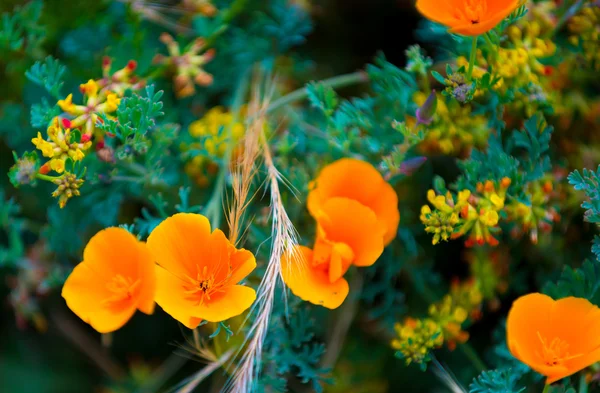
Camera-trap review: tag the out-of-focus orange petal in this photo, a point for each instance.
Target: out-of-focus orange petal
(234, 300)
(310, 283)
(147, 276)
(358, 180)
(171, 296)
(85, 295)
(458, 15)
(107, 251)
(180, 242)
(115, 277)
(491, 20)
(438, 11)
(349, 222)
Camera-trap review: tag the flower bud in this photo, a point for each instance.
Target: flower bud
(427, 110)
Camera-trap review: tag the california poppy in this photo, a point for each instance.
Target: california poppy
(467, 17)
(556, 338)
(360, 181)
(115, 278)
(348, 233)
(198, 271)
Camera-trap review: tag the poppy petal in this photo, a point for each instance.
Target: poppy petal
(242, 263)
(112, 251)
(86, 296)
(438, 11)
(360, 181)
(178, 243)
(233, 301)
(171, 296)
(348, 221)
(311, 284)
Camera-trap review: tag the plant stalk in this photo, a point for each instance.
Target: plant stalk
(472, 59)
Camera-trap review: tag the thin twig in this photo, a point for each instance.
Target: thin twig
(86, 344)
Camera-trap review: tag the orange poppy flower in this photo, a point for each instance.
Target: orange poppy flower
(556, 338)
(358, 180)
(198, 271)
(467, 17)
(115, 278)
(347, 233)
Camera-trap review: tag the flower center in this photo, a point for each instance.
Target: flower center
(473, 11)
(555, 352)
(203, 286)
(121, 288)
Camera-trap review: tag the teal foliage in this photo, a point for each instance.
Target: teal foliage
(584, 281)
(20, 30)
(49, 75)
(496, 381)
(136, 115)
(291, 347)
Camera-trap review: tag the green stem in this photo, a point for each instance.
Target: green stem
(574, 9)
(583, 386)
(472, 59)
(546, 388)
(468, 350)
(335, 82)
(46, 177)
(492, 46)
(236, 8)
(196, 332)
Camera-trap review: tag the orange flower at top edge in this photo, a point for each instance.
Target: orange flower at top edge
(360, 181)
(467, 17)
(348, 233)
(115, 278)
(198, 271)
(556, 338)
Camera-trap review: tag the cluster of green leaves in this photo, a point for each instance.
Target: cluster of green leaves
(136, 115)
(583, 281)
(291, 347)
(496, 381)
(523, 157)
(11, 226)
(20, 30)
(359, 126)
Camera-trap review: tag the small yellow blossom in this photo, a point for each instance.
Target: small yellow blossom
(60, 147)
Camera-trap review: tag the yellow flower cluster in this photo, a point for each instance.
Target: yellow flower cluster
(454, 129)
(187, 64)
(536, 216)
(585, 27)
(60, 146)
(476, 215)
(100, 96)
(417, 337)
(68, 187)
(213, 131)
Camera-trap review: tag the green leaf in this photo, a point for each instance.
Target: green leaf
(48, 75)
(438, 77)
(496, 381)
(322, 97)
